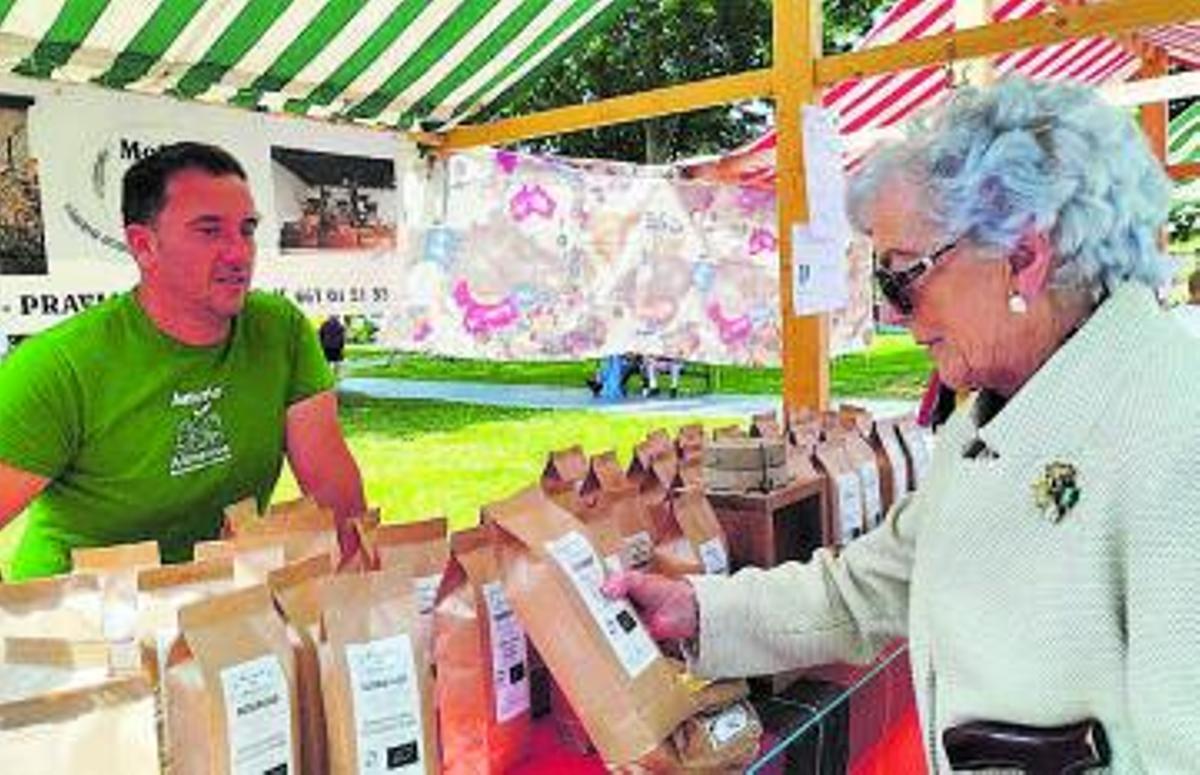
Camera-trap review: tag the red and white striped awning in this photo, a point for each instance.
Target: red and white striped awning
(864, 105)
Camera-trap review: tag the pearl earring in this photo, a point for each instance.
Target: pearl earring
(1016, 304)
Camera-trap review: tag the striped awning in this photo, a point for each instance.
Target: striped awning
(862, 105)
(1183, 136)
(396, 63)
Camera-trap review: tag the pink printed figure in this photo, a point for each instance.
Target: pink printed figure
(762, 241)
(531, 201)
(507, 161)
(479, 318)
(422, 330)
(750, 200)
(732, 330)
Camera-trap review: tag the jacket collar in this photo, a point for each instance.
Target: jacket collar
(1068, 395)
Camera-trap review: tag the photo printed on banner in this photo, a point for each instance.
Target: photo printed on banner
(22, 233)
(331, 204)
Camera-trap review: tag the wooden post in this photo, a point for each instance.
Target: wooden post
(1153, 116)
(805, 340)
(968, 14)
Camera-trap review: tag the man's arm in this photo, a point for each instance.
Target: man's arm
(321, 461)
(17, 489)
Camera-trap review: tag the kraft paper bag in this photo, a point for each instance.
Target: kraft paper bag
(565, 467)
(845, 508)
(232, 705)
(298, 590)
(607, 485)
(420, 550)
(70, 607)
(104, 728)
(626, 693)
(483, 689)
(376, 682)
(696, 543)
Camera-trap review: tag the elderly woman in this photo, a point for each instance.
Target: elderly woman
(1048, 571)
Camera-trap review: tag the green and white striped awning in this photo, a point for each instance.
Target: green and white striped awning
(385, 62)
(1183, 137)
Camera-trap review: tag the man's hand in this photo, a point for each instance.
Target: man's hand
(667, 606)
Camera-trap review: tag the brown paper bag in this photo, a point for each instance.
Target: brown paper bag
(68, 607)
(298, 589)
(232, 705)
(628, 696)
(689, 442)
(719, 741)
(117, 569)
(376, 682)
(103, 728)
(912, 438)
(565, 467)
(887, 444)
(606, 485)
(253, 557)
(483, 691)
(697, 544)
(766, 425)
(729, 432)
(421, 550)
(862, 457)
(162, 592)
(32, 667)
(844, 496)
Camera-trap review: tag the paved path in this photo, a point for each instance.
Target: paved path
(544, 397)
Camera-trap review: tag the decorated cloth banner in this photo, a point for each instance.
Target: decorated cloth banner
(542, 258)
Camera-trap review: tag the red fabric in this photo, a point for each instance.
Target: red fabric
(898, 752)
(928, 401)
(547, 756)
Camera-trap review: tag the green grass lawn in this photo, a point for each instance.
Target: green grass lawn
(425, 458)
(894, 367)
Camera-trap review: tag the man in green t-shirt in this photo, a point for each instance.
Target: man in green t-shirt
(145, 415)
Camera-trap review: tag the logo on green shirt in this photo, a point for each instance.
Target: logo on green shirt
(200, 438)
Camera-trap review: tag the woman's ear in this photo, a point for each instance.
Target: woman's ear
(1032, 263)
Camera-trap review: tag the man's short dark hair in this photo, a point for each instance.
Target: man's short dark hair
(144, 189)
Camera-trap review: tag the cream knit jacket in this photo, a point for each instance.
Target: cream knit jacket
(1011, 616)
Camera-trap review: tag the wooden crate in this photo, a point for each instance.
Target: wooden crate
(766, 529)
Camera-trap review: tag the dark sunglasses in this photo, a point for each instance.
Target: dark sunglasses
(896, 286)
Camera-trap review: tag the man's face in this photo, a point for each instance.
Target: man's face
(197, 256)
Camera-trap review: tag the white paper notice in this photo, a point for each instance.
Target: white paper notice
(712, 554)
(510, 670)
(868, 477)
(819, 263)
(727, 725)
(615, 618)
(850, 505)
(639, 549)
(387, 706)
(258, 713)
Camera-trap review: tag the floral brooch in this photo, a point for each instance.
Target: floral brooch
(1057, 491)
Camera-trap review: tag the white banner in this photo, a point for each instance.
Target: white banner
(351, 188)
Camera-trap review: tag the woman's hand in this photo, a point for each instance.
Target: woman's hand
(667, 606)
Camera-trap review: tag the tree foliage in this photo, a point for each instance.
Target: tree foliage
(657, 43)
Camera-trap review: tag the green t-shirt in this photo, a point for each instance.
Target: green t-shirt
(144, 437)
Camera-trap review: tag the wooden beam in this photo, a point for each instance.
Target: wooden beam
(1184, 171)
(1109, 18)
(1153, 116)
(805, 340)
(754, 84)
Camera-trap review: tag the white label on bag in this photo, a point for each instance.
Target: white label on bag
(850, 507)
(387, 706)
(727, 725)
(615, 618)
(258, 714)
(712, 554)
(426, 592)
(639, 548)
(868, 476)
(510, 667)
(613, 563)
